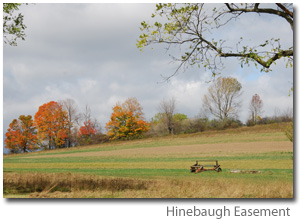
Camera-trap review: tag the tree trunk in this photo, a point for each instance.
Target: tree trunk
(170, 130)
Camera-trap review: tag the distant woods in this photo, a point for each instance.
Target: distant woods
(62, 125)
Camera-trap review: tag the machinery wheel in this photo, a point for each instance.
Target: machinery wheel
(219, 170)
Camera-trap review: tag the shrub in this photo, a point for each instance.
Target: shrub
(250, 123)
(224, 124)
(94, 139)
(289, 132)
(199, 125)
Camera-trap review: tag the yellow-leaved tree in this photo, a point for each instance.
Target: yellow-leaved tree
(127, 121)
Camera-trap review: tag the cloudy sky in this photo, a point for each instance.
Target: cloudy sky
(87, 52)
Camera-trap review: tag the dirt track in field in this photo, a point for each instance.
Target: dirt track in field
(200, 149)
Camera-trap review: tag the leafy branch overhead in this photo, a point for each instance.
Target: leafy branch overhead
(193, 27)
(13, 26)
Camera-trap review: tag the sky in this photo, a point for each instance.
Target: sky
(87, 52)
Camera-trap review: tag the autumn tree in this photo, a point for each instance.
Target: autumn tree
(167, 109)
(13, 25)
(222, 99)
(198, 29)
(255, 108)
(53, 125)
(21, 135)
(87, 131)
(127, 121)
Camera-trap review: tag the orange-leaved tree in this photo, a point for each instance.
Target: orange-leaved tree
(21, 135)
(127, 121)
(87, 131)
(52, 123)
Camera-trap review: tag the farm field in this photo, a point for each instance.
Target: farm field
(159, 167)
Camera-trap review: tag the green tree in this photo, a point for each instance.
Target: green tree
(222, 99)
(13, 26)
(193, 27)
(180, 117)
(160, 122)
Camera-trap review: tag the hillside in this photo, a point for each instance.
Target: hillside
(163, 162)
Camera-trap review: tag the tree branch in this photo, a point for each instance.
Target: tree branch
(286, 14)
(285, 9)
(258, 59)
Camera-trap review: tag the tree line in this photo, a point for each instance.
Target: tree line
(60, 125)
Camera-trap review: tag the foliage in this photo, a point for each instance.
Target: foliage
(126, 121)
(184, 125)
(179, 117)
(159, 124)
(21, 135)
(52, 123)
(279, 117)
(13, 26)
(87, 131)
(181, 123)
(158, 117)
(99, 138)
(193, 27)
(222, 99)
(224, 124)
(199, 125)
(250, 123)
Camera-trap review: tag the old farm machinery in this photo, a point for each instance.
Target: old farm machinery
(206, 165)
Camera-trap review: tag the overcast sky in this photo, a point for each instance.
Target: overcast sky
(87, 52)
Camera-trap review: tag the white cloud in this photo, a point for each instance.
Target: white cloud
(87, 85)
(87, 52)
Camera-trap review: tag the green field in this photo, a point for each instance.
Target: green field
(159, 167)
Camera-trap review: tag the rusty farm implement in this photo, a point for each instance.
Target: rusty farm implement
(206, 165)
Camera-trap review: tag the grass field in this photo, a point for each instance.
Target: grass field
(159, 167)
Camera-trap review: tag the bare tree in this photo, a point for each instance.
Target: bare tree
(255, 108)
(132, 105)
(287, 114)
(70, 106)
(222, 99)
(167, 108)
(86, 116)
(97, 125)
(277, 113)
